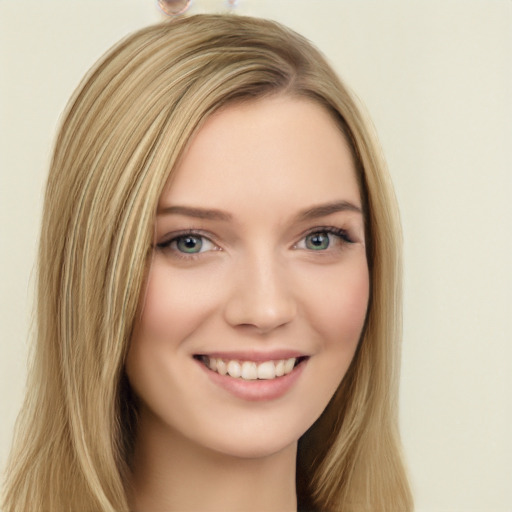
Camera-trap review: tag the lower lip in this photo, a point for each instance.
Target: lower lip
(256, 390)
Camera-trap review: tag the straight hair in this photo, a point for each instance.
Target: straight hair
(121, 138)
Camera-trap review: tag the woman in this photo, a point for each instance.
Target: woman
(219, 287)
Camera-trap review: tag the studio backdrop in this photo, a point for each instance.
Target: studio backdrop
(436, 78)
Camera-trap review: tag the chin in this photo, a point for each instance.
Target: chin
(257, 447)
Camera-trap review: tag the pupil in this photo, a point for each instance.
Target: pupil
(189, 244)
(318, 241)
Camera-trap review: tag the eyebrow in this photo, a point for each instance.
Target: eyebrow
(198, 213)
(313, 212)
(322, 210)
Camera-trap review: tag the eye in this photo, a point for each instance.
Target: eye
(188, 244)
(323, 239)
(317, 241)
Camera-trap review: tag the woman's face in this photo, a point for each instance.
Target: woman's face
(259, 270)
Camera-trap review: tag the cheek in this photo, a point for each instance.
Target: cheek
(338, 308)
(337, 314)
(175, 304)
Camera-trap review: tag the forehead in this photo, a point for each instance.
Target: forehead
(281, 150)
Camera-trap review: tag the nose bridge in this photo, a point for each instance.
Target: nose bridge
(261, 295)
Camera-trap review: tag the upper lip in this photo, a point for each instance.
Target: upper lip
(253, 355)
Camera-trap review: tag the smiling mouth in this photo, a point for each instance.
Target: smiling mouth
(251, 370)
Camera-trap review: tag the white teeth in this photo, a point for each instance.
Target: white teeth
(267, 370)
(280, 368)
(289, 364)
(250, 370)
(234, 369)
(221, 367)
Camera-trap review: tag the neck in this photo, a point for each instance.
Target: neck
(172, 473)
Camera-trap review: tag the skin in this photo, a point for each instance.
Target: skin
(258, 284)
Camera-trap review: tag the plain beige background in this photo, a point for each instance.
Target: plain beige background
(436, 77)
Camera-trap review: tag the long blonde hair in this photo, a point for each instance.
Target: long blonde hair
(122, 135)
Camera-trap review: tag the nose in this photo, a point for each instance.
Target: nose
(261, 297)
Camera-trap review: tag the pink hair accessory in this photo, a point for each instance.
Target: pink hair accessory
(173, 7)
(179, 7)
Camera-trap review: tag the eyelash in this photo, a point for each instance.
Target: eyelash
(166, 245)
(341, 234)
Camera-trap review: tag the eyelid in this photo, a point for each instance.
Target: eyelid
(342, 234)
(170, 238)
